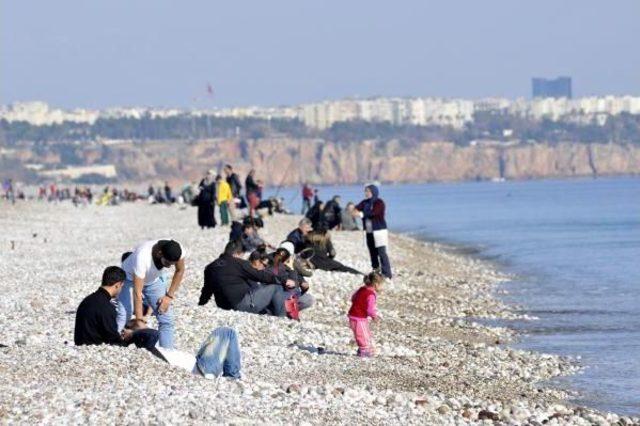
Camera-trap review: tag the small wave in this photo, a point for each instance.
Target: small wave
(543, 312)
(578, 329)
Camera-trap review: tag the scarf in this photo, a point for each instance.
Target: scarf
(368, 203)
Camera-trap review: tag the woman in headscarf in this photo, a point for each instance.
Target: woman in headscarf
(372, 210)
(206, 201)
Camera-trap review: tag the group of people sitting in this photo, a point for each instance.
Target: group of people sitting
(332, 216)
(104, 317)
(265, 282)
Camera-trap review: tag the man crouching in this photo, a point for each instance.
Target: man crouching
(96, 317)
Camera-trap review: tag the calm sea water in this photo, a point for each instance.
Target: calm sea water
(574, 246)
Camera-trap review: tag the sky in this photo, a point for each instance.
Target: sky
(95, 54)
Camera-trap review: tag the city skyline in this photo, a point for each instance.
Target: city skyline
(160, 54)
(425, 111)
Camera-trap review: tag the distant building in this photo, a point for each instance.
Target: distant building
(551, 88)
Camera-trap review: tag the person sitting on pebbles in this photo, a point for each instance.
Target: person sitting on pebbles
(297, 235)
(96, 317)
(319, 242)
(250, 238)
(146, 276)
(363, 307)
(283, 263)
(236, 285)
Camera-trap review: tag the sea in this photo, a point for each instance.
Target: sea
(573, 250)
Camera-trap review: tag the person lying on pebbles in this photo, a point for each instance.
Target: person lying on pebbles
(219, 355)
(146, 276)
(319, 241)
(96, 317)
(231, 280)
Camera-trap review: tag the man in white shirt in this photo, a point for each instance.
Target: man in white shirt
(146, 270)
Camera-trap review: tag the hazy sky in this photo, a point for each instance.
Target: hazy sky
(163, 53)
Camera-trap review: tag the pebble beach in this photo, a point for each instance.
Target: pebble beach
(437, 362)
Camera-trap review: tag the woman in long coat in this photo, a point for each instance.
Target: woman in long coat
(206, 201)
(372, 211)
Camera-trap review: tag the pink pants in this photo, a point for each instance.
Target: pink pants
(362, 334)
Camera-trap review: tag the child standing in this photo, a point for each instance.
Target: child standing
(363, 306)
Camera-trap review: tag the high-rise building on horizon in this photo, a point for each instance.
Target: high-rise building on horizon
(551, 88)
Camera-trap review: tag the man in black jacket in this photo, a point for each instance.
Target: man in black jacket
(232, 282)
(297, 235)
(233, 180)
(96, 317)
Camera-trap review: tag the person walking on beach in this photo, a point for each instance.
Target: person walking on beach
(146, 277)
(225, 198)
(96, 322)
(363, 307)
(253, 192)
(206, 200)
(307, 195)
(372, 211)
(236, 188)
(9, 193)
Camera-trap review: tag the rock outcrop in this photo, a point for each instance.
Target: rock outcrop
(290, 161)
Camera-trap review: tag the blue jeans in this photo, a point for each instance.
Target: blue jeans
(219, 355)
(263, 297)
(150, 294)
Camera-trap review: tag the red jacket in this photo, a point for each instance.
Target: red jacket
(363, 303)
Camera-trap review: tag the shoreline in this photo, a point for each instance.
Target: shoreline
(142, 185)
(435, 366)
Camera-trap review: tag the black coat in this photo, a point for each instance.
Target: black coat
(323, 258)
(332, 213)
(251, 185)
(229, 279)
(234, 183)
(316, 216)
(206, 201)
(297, 239)
(96, 321)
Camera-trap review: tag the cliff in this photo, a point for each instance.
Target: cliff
(291, 161)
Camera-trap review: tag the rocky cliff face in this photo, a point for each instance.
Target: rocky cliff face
(291, 161)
